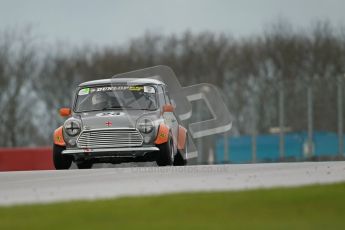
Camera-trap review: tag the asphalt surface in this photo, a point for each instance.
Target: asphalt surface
(51, 186)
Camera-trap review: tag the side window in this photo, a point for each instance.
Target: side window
(161, 96)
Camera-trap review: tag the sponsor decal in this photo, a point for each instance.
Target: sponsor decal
(163, 135)
(124, 87)
(136, 88)
(84, 91)
(58, 138)
(149, 89)
(111, 88)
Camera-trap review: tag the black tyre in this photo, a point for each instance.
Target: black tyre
(165, 156)
(84, 165)
(178, 160)
(61, 161)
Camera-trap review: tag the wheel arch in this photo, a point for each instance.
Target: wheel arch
(182, 136)
(162, 134)
(58, 137)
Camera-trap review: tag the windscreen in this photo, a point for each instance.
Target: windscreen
(142, 97)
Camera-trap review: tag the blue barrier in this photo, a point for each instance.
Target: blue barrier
(267, 145)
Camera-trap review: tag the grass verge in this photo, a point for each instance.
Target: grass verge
(309, 207)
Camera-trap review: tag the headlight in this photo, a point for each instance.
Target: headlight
(145, 125)
(72, 127)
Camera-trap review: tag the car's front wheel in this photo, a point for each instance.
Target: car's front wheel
(165, 156)
(61, 161)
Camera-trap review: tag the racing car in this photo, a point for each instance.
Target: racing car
(120, 120)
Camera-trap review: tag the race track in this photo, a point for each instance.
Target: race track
(50, 186)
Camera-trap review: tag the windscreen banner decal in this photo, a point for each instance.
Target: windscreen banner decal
(118, 88)
(84, 91)
(149, 89)
(136, 88)
(111, 88)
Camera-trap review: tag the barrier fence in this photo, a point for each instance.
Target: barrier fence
(20, 159)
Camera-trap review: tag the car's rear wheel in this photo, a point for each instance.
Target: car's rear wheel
(84, 165)
(61, 161)
(165, 156)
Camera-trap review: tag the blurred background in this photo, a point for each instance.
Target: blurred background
(279, 64)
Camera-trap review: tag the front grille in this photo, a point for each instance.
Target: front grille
(108, 138)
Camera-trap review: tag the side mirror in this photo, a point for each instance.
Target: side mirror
(168, 108)
(65, 112)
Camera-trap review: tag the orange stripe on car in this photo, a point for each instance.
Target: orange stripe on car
(182, 134)
(163, 134)
(58, 137)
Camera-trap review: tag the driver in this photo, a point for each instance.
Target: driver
(99, 100)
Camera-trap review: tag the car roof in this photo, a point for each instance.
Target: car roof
(123, 81)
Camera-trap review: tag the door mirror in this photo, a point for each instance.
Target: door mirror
(168, 108)
(65, 112)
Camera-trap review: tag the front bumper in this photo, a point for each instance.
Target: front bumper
(128, 151)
